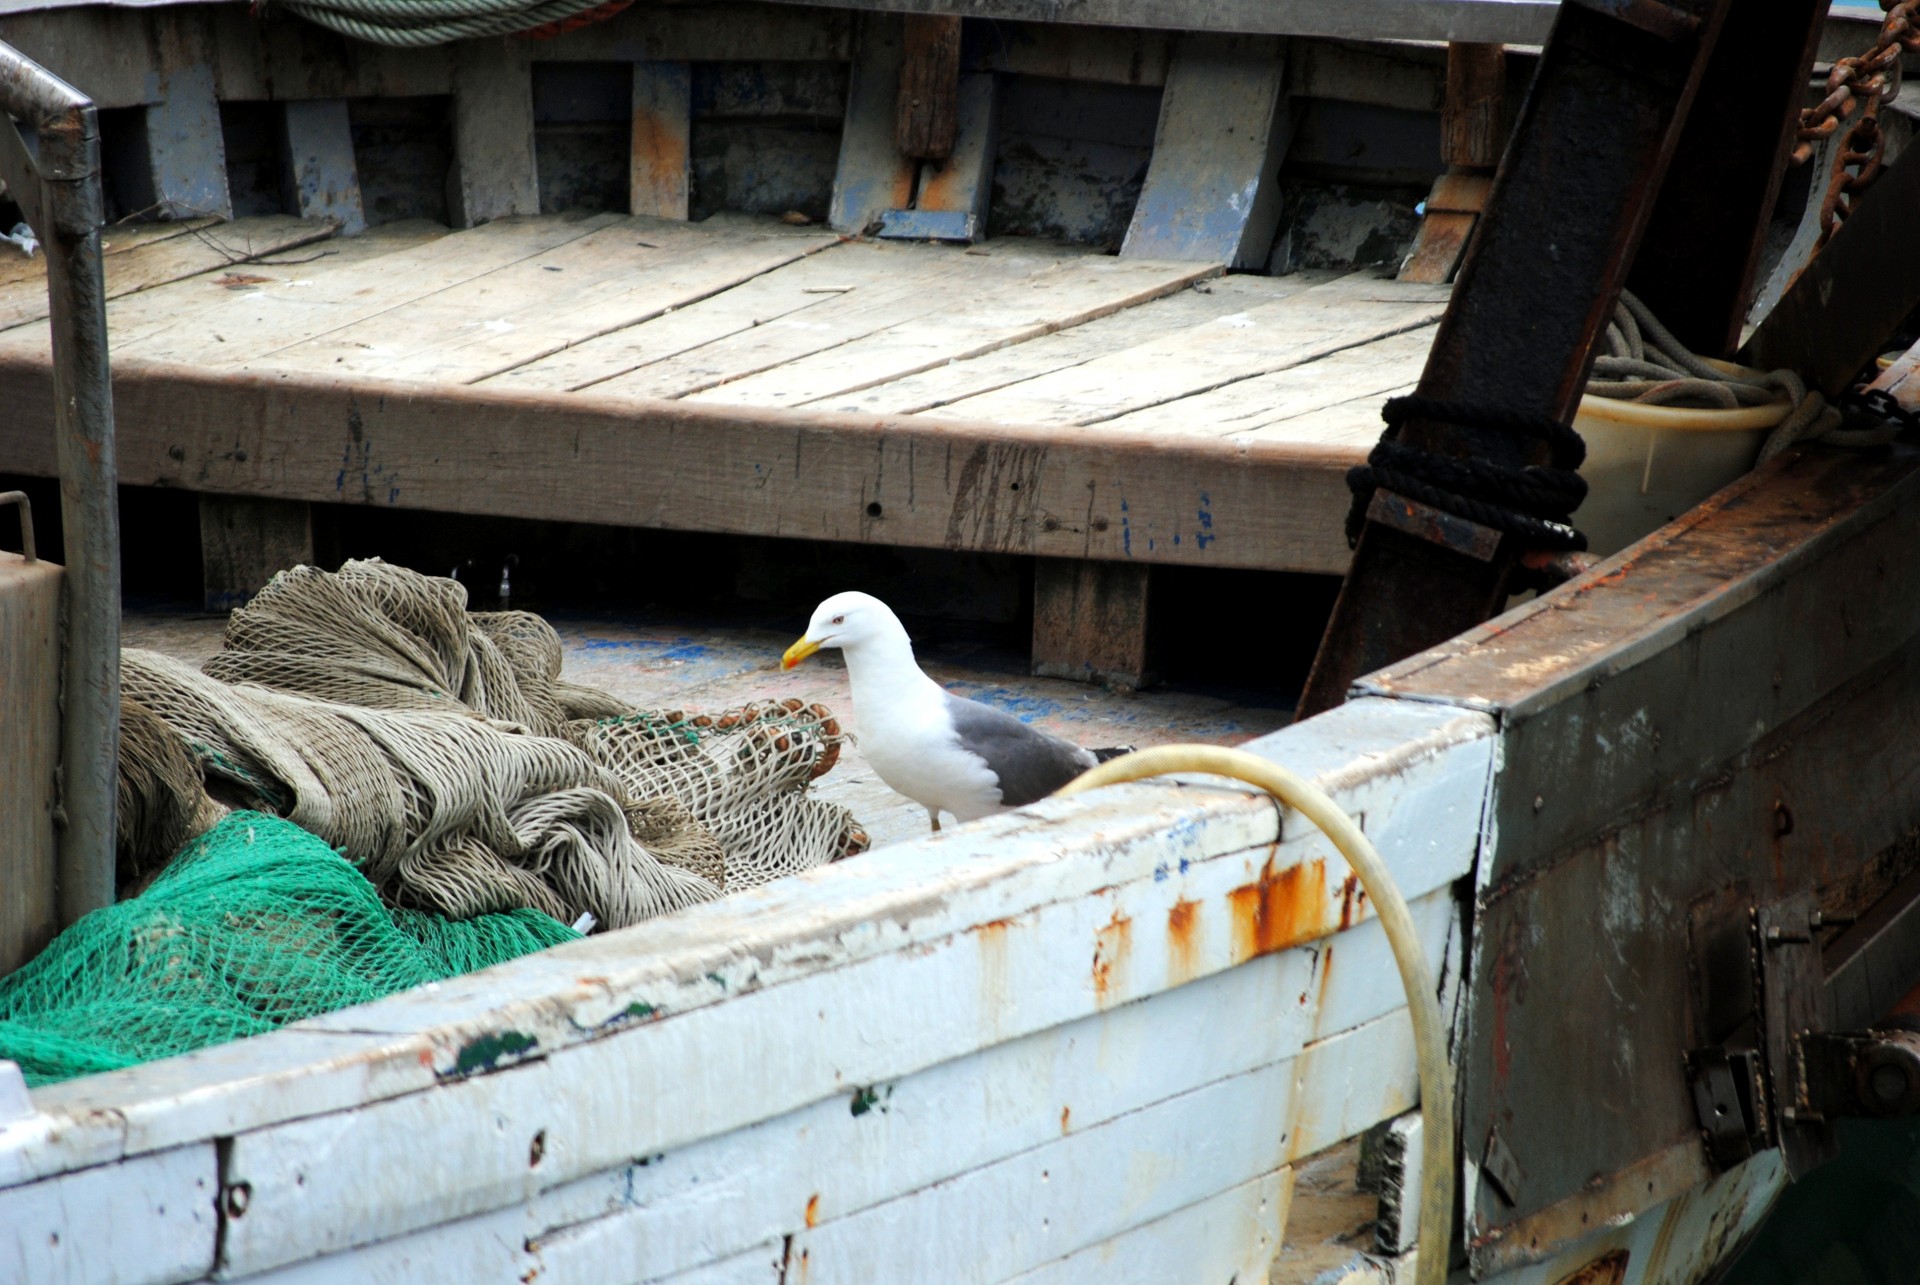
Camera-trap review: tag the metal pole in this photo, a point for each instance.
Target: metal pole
(61, 195)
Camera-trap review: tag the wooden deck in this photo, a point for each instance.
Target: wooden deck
(743, 375)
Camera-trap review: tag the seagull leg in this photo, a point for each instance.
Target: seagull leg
(933, 815)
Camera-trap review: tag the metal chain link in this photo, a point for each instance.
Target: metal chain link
(1855, 89)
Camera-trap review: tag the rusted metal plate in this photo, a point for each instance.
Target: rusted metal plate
(1719, 704)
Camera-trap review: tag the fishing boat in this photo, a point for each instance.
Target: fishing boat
(1064, 323)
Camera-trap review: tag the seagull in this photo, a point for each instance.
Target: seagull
(944, 752)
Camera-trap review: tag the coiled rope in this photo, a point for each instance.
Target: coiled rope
(413, 24)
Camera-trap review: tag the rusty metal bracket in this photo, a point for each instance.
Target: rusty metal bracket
(1794, 1004)
(1391, 509)
(1727, 1087)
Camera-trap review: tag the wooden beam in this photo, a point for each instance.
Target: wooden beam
(926, 115)
(662, 139)
(1090, 622)
(1473, 130)
(1059, 491)
(322, 171)
(1212, 191)
(494, 173)
(30, 747)
(951, 204)
(244, 541)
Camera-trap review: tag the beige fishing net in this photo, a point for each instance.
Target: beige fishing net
(441, 751)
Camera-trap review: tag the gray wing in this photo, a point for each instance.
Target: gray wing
(1030, 764)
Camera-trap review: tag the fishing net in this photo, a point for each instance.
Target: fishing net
(441, 751)
(255, 925)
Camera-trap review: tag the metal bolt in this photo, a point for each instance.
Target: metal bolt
(237, 1197)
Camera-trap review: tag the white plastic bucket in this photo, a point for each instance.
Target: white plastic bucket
(1646, 465)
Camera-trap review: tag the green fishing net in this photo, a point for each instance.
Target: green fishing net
(257, 924)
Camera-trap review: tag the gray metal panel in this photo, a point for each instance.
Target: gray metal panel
(1725, 702)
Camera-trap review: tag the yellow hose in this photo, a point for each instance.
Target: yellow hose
(1429, 1040)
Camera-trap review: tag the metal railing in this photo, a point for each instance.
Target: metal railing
(57, 186)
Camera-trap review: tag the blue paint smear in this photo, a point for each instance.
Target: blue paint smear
(1201, 537)
(1160, 873)
(1184, 863)
(666, 649)
(1022, 706)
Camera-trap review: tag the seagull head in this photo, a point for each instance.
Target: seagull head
(847, 621)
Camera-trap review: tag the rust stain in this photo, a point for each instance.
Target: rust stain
(1608, 1269)
(659, 155)
(1111, 948)
(813, 1210)
(1066, 1118)
(1353, 899)
(1279, 909)
(1326, 975)
(1183, 945)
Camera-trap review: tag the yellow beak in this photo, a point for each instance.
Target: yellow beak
(798, 652)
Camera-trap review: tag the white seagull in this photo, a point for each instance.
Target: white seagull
(944, 752)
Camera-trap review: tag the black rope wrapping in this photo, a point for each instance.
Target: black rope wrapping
(1532, 504)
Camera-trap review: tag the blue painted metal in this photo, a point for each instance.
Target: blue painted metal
(186, 151)
(325, 179)
(872, 176)
(930, 225)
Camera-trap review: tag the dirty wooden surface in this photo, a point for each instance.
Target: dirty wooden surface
(749, 317)
(707, 667)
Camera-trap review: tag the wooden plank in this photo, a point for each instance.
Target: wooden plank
(913, 481)
(1301, 328)
(1090, 622)
(326, 181)
(1001, 367)
(493, 171)
(1228, 1237)
(30, 746)
(244, 542)
(876, 285)
(1296, 396)
(927, 108)
(204, 321)
(872, 175)
(619, 275)
(146, 1221)
(157, 262)
(1012, 301)
(1212, 191)
(659, 182)
(1407, 767)
(1351, 427)
(115, 238)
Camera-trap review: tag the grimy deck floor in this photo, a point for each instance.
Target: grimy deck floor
(658, 665)
(743, 375)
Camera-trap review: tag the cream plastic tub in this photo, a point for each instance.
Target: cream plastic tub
(1646, 465)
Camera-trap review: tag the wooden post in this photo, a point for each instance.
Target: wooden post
(1473, 131)
(30, 749)
(1090, 622)
(662, 139)
(494, 172)
(926, 114)
(243, 542)
(951, 204)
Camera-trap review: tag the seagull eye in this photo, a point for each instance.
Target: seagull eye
(839, 620)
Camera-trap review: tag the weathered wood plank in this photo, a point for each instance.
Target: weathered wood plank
(115, 238)
(145, 1221)
(1416, 772)
(326, 181)
(1090, 622)
(1004, 305)
(1001, 367)
(494, 166)
(1349, 427)
(30, 746)
(619, 275)
(1228, 1237)
(244, 542)
(208, 321)
(1295, 397)
(662, 146)
(878, 285)
(156, 262)
(1212, 191)
(927, 110)
(872, 175)
(1311, 325)
(582, 457)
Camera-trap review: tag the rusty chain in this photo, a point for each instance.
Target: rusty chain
(1855, 89)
